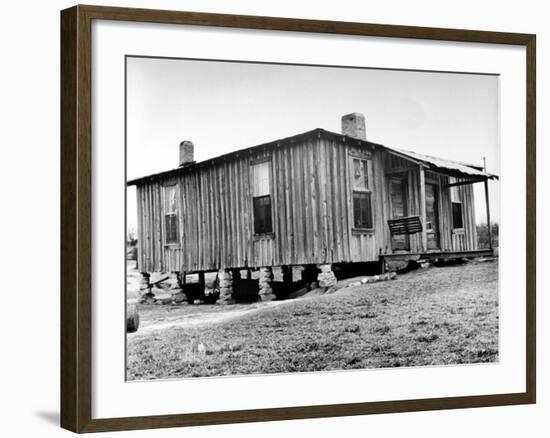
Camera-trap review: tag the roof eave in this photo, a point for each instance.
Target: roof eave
(308, 134)
(319, 132)
(479, 173)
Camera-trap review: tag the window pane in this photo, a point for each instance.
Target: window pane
(260, 179)
(262, 214)
(362, 210)
(457, 215)
(360, 174)
(170, 199)
(170, 214)
(171, 223)
(455, 195)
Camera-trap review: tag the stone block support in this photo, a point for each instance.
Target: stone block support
(176, 291)
(145, 289)
(225, 282)
(264, 283)
(326, 277)
(210, 287)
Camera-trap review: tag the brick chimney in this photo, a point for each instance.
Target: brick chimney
(186, 153)
(353, 125)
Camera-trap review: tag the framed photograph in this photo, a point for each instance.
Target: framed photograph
(270, 218)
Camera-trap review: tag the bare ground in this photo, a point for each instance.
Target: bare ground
(436, 316)
(212, 315)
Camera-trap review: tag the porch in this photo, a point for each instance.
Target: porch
(430, 210)
(438, 255)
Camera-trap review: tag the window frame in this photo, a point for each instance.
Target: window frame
(264, 233)
(267, 219)
(453, 203)
(172, 214)
(456, 198)
(368, 194)
(367, 158)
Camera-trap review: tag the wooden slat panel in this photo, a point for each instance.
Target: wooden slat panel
(159, 219)
(336, 241)
(150, 249)
(324, 199)
(140, 230)
(290, 199)
(298, 204)
(312, 181)
(405, 225)
(472, 213)
(363, 247)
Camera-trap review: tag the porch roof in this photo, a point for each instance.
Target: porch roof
(454, 168)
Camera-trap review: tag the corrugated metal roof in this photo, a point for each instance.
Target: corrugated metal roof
(444, 164)
(454, 168)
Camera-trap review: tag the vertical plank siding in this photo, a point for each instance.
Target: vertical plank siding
(464, 239)
(311, 206)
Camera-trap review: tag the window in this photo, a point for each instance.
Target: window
(362, 210)
(362, 196)
(456, 204)
(457, 215)
(360, 174)
(170, 214)
(262, 214)
(261, 198)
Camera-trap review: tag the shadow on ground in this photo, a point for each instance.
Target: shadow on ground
(51, 417)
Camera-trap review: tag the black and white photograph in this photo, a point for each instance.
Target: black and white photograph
(275, 219)
(286, 218)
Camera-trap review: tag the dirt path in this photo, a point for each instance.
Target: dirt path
(198, 319)
(150, 324)
(157, 320)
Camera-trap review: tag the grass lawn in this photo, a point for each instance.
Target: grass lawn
(435, 316)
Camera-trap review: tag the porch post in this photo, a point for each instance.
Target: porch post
(489, 230)
(423, 209)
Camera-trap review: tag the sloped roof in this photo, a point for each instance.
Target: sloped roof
(436, 163)
(454, 168)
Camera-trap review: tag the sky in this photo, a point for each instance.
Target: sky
(226, 106)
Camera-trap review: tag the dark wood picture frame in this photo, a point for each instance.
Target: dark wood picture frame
(76, 218)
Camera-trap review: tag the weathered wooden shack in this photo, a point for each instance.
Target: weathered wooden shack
(315, 199)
